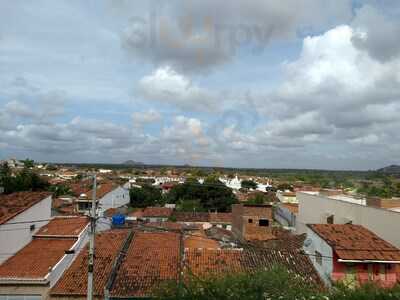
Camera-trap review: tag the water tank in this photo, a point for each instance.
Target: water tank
(118, 220)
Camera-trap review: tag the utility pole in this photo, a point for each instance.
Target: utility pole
(92, 233)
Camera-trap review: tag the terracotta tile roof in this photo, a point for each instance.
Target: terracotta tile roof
(355, 242)
(157, 212)
(111, 212)
(36, 259)
(198, 239)
(204, 262)
(102, 190)
(284, 239)
(292, 207)
(190, 216)
(258, 234)
(220, 218)
(166, 225)
(74, 280)
(81, 187)
(15, 203)
(152, 258)
(63, 226)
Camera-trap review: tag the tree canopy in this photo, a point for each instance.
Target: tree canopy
(249, 184)
(24, 180)
(211, 195)
(145, 196)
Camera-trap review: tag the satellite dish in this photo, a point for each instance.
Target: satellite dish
(307, 242)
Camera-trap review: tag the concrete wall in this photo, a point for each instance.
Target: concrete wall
(317, 244)
(37, 290)
(14, 237)
(114, 199)
(314, 209)
(284, 216)
(67, 259)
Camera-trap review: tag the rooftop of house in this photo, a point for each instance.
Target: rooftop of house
(181, 216)
(36, 259)
(355, 242)
(258, 234)
(102, 190)
(74, 280)
(220, 217)
(204, 262)
(63, 227)
(157, 212)
(198, 239)
(13, 204)
(292, 207)
(152, 258)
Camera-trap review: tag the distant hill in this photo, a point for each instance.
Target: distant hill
(393, 169)
(133, 163)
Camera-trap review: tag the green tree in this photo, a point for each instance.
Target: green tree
(249, 184)
(145, 196)
(211, 195)
(28, 163)
(25, 180)
(60, 190)
(257, 199)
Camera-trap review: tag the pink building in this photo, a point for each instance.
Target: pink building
(352, 254)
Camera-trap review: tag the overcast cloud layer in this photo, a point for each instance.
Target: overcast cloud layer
(274, 84)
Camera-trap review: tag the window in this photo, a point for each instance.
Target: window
(330, 219)
(318, 258)
(250, 220)
(263, 222)
(32, 227)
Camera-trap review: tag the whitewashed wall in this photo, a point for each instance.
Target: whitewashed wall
(317, 244)
(114, 199)
(14, 237)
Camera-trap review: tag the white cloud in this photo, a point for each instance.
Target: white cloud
(146, 117)
(165, 85)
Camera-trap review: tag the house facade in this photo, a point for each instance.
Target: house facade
(22, 214)
(317, 209)
(108, 196)
(32, 271)
(252, 222)
(351, 254)
(286, 213)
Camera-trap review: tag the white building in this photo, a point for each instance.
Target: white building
(316, 209)
(108, 196)
(33, 270)
(21, 216)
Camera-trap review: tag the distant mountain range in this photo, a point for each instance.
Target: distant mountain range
(133, 163)
(390, 169)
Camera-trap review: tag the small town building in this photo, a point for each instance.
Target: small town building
(286, 196)
(156, 214)
(285, 214)
(108, 195)
(351, 254)
(317, 209)
(22, 214)
(252, 222)
(32, 271)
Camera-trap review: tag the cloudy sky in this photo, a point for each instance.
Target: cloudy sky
(257, 83)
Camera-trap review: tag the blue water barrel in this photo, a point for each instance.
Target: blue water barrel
(118, 220)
